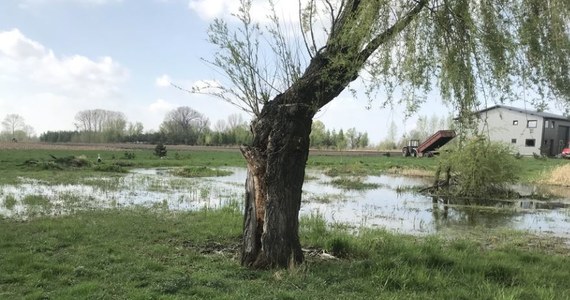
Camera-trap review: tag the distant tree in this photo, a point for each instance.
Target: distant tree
(235, 121)
(135, 129)
(389, 143)
(183, 125)
(363, 142)
(13, 123)
(15, 128)
(233, 131)
(237, 129)
(99, 125)
(392, 131)
(318, 135)
(340, 140)
(220, 126)
(352, 138)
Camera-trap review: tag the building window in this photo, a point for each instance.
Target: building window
(549, 124)
(530, 142)
(513, 141)
(531, 124)
(515, 122)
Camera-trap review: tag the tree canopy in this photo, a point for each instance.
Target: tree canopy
(472, 52)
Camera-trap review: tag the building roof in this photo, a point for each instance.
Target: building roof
(545, 115)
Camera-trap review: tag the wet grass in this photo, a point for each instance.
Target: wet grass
(334, 166)
(143, 253)
(323, 198)
(353, 183)
(36, 200)
(9, 202)
(199, 171)
(13, 164)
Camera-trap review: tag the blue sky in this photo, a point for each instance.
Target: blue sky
(58, 57)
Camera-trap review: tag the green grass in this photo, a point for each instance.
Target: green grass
(155, 254)
(353, 183)
(200, 171)
(36, 200)
(10, 201)
(114, 162)
(367, 165)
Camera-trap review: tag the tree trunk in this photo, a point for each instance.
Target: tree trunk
(276, 162)
(276, 170)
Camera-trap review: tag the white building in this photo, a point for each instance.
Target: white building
(526, 130)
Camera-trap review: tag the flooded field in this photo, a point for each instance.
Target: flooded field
(393, 205)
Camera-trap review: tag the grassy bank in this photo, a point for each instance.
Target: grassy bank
(14, 163)
(114, 162)
(144, 254)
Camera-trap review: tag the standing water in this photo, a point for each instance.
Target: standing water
(392, 205)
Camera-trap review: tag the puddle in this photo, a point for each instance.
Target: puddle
(391, 206)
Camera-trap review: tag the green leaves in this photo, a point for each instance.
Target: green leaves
(482, 168)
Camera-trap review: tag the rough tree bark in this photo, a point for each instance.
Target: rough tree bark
(277, 157)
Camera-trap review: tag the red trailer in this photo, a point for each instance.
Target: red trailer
(430, 146)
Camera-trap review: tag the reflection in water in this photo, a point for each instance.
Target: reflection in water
(393, 206)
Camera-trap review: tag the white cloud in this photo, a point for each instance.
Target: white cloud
(163, 81)
(210, 9)
(25, 60)
(160, 106)
(42, 87)
(15, 45)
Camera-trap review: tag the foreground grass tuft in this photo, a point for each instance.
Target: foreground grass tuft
(141, 253)
(353, 183)
(200, 171)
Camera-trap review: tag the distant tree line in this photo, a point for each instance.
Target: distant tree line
(322, 138)
(182, 125)
(186, 126)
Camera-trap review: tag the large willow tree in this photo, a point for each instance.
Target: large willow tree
(469, 50)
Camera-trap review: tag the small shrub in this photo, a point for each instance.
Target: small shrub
(481, 168)
(129, 155)
(160, 150)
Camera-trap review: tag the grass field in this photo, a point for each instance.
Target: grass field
(155, 254)
(144, 253)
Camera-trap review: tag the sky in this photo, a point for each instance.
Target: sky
(59, 57)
